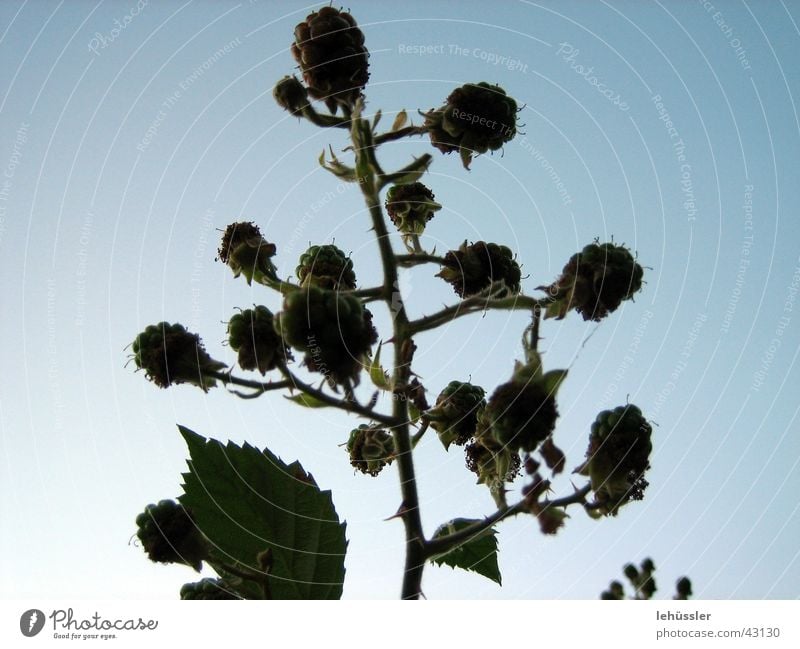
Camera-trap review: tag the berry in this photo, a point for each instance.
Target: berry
(329, 47)
(247, 253)
(476, 118)
(370, 449)
(455, 415)
(252, 334)
(332, 328)
(290, 94)
(410, 207)
(493, 463)
(521, 414)
(170, 355)
(595, 282)
(169, 535)
(208, 589)
(327, 267)
(618, 456)
(473, 268)
(683, 588)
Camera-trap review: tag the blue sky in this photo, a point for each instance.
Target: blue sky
(125, 150)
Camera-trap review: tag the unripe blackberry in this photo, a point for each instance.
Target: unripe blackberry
(631, 573)
(615, 591)
(208, 589)
(521, 415)
(290, 94)
(170, 355)
(169, 535)
(455, 415)
(683, 588)
(329, 48)
(492, 462)
(252, 334)
(472, 268)
(332, 328)
(327, 267)
(595, 282)
(476, 118)
(370, 449)
(410, 207)
(247, 253)
(618, 455)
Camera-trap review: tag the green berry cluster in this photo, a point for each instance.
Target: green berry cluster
(252, 335)
(411, 206)
(169, 535)
(329, 47)
(327, 267)
(644, 583)
(170, 355)
(595, 282)
(371, 448)
(475, 119)
(493, 463)
(521, 414)
(455, 415)
(473, 268)
(332, 328)
(247, 253)
(618, 456)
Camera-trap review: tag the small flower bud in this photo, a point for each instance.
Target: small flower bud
(291, 95)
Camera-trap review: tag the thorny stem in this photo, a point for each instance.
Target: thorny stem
(292, 382)
(473, 305)
(364, 147)
(324, 120)
(341, 404)
(419, 258)
(399, 134)
(444, 544)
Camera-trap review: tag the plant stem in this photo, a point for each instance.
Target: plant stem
(444, 544)
(419, 258)
(399, 134)
(409, 509)
(473, 305)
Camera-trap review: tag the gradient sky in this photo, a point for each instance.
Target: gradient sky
(120, 162)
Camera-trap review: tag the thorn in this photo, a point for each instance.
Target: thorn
(401, 511)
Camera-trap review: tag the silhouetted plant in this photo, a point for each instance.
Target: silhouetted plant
(266, 527)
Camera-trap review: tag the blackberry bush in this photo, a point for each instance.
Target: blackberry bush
(255, 519)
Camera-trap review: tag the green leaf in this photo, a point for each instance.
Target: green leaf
(379, 376)
(246, 501)
(479, 554)
(307, 401)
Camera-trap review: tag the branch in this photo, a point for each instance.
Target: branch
(474, 304)
(444, 544)
(260, 387)
(399, 134)
(326, 121)
(407, 261)
(342, 404)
